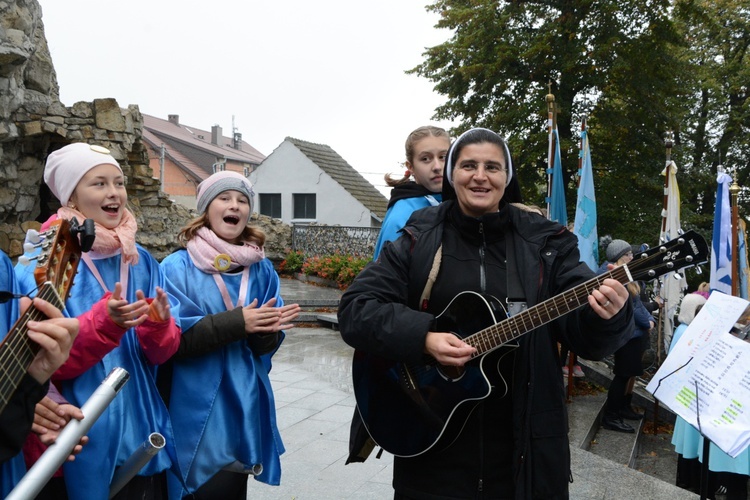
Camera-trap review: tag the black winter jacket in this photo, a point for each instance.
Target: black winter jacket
(379, 313)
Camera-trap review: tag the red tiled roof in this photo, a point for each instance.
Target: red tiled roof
(191, 148)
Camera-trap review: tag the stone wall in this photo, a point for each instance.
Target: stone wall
(33, 122)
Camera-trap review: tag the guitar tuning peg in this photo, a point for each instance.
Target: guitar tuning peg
(698, 269)
(25, 261)
(29, 247)
(32, 236)
(677, 276)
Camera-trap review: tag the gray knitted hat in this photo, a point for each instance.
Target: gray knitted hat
(617, 249)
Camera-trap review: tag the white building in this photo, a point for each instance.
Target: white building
(302, 183)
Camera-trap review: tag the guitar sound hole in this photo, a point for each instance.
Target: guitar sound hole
(451, 373)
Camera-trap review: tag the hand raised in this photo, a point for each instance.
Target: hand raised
(125, 314)
(267, 318)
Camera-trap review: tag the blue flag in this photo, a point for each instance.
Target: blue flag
(743, 264)
(584, 226)
(721, 243)
(557, 210)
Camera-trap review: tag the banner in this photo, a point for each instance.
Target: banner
(557, 209)
(584, 226)
(673, 284)
(721, 243)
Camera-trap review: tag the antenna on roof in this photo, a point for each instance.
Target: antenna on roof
(236, 137)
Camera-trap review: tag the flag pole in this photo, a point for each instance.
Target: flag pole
(571, 354)
(668, 143)
(734, 190)
(551, 150)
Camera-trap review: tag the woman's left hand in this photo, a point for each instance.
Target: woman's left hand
(609, 298)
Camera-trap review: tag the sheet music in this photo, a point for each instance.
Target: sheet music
(711, 381)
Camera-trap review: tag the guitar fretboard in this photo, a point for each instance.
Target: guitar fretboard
(17, 350)
(506, 331)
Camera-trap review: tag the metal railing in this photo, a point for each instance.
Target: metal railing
(328, 240)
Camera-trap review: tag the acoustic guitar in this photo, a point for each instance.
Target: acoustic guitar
(409, 409)
(56, 265)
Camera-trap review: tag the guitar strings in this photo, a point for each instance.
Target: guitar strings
(19, 350)
(538, 315)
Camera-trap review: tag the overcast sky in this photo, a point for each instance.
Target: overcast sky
(325, 71)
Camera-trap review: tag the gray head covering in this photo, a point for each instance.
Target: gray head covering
(220, 182)
(617, 249)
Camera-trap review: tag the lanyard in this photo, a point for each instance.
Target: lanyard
(244, 285)
(124, 268)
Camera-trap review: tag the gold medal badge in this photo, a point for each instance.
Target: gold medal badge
(222, 262)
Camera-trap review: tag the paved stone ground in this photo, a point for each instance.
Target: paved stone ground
(311, 377)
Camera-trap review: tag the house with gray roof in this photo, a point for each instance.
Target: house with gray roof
(302, 182)
(181, 156)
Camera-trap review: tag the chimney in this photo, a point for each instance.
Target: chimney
(174, 119)
(237, 141)
(216, 135)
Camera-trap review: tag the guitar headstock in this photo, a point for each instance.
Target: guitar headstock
(687, 250)
(58, 261)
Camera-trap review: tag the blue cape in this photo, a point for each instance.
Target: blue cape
(138, 410)
(221, 403)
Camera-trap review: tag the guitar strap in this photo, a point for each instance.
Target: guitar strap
(424, 300)
(516, 299)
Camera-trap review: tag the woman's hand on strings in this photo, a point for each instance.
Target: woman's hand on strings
(448, 349)
(55, 337)
(609, 298)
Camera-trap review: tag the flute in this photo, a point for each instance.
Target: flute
(32, 483)
(136, 461)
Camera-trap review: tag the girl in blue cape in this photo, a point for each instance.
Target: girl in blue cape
(119, 325)
(426, 148)
(219, 395)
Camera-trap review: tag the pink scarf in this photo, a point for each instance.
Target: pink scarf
(213, 255)
(109, 241)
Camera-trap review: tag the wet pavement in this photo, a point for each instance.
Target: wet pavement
(311, 377)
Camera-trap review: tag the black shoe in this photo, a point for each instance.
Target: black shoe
(628, 413)
(614, 423)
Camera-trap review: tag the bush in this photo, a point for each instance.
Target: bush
(339, 268)
(292, 263)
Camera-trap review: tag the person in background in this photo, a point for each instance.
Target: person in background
(426, 148)
(726, 474)
(55, 337)
(514, 444)
(703, 290)
(217, 384)
(125, 321)
(628, 357)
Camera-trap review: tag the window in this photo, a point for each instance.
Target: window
(270, 205)
(304, 206)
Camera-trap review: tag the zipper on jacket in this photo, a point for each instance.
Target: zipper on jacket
(482, 273)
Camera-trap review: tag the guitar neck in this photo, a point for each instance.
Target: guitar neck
(17, 350)
(510, 329)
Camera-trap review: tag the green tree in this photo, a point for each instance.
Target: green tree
(636, 68)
